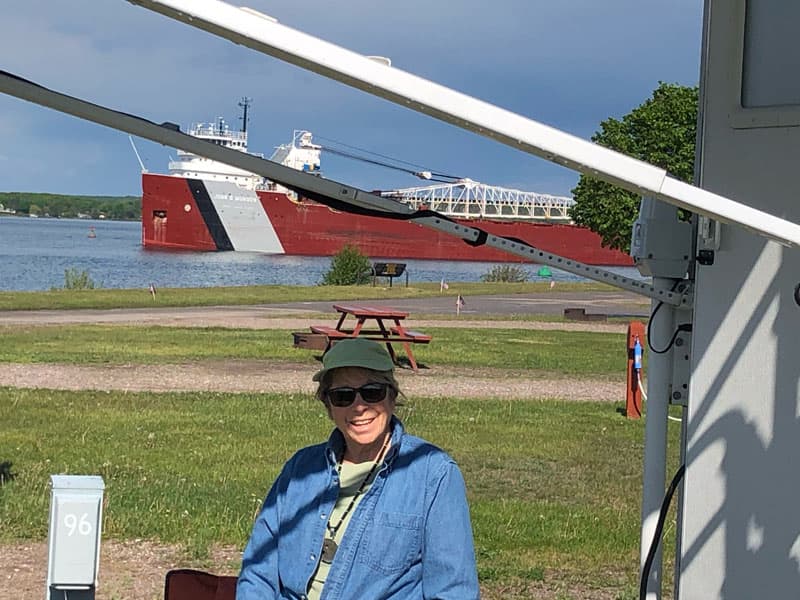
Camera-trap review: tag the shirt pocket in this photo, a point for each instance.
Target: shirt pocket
(392, 541)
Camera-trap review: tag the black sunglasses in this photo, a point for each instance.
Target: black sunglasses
(371, 393)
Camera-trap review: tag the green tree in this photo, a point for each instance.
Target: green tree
(348, 267)
(662, 132)
(505, 274)
(60, 205)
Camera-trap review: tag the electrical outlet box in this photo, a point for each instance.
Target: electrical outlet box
(76, 508)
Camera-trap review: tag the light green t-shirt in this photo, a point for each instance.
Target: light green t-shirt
(349, 481)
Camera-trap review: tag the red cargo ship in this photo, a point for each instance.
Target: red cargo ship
(206, 205)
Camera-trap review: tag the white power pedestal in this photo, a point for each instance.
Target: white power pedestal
(76, 511)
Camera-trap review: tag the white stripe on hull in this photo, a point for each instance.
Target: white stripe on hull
(245, 221)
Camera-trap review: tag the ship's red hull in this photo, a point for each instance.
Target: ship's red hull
(202, 215)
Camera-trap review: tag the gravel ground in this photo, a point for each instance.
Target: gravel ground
(135, 569)
(239, 319)
(262, 376)
(132, 570)
(266, 376)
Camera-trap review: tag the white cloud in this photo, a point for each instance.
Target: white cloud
(570, 63)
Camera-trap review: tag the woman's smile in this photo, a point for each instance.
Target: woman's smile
(364, 425)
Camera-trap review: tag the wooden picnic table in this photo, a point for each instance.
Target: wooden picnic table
(384, 324)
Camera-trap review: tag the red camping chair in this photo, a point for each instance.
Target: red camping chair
(188, 584)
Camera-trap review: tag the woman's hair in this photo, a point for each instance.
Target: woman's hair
(386, 377)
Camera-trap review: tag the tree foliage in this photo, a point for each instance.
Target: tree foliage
(505, 274)
(661, 131)
(122, 208)
(348, 267)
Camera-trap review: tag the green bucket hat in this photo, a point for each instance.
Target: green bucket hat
(357, 352)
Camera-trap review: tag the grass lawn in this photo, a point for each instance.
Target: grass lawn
(554, 486)
(262, 294)
(563, 353)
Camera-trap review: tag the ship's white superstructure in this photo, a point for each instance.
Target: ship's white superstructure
(193, 166)
(301, 154)
(463, 199)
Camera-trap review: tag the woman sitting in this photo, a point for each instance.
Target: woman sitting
(373, 513)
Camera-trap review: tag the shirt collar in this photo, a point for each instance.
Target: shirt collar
(335, 446)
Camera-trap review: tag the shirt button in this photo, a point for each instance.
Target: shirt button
(312, 557)
(322, 516)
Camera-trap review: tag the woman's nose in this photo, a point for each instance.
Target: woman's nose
(358, 402)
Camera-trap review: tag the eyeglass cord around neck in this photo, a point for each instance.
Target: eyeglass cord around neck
(329, 545)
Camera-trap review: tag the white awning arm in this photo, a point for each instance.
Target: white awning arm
(266, 35)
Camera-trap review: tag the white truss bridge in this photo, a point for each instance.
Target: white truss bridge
(468, 199)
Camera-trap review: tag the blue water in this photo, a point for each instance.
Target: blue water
(34, 253)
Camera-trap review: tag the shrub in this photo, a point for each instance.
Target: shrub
(78, 280)
(348, 267)
(506, 274)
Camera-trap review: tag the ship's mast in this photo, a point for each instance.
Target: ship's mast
(245, 104)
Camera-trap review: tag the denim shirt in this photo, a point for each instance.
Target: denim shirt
(410, 536)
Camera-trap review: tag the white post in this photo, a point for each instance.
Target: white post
(76, 517)
(659, 379)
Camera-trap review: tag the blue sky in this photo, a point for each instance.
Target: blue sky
(566, 63)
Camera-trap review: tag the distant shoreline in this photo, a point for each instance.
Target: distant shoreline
(43, 205)
(27, 216)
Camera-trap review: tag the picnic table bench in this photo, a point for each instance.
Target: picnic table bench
(388, 329)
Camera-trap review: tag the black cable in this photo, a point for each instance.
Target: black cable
(366, 160)
(662, 515)
(682, 327)
(435, 176)
(650, 325)
(397, 160)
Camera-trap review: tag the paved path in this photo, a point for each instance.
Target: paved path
(618, 304)
(268, 376)
(553, 302)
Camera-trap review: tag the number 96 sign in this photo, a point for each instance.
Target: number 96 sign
(75, 543)
(77, 525)
(76, 509)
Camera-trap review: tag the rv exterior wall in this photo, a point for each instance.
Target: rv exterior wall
(740, 530)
